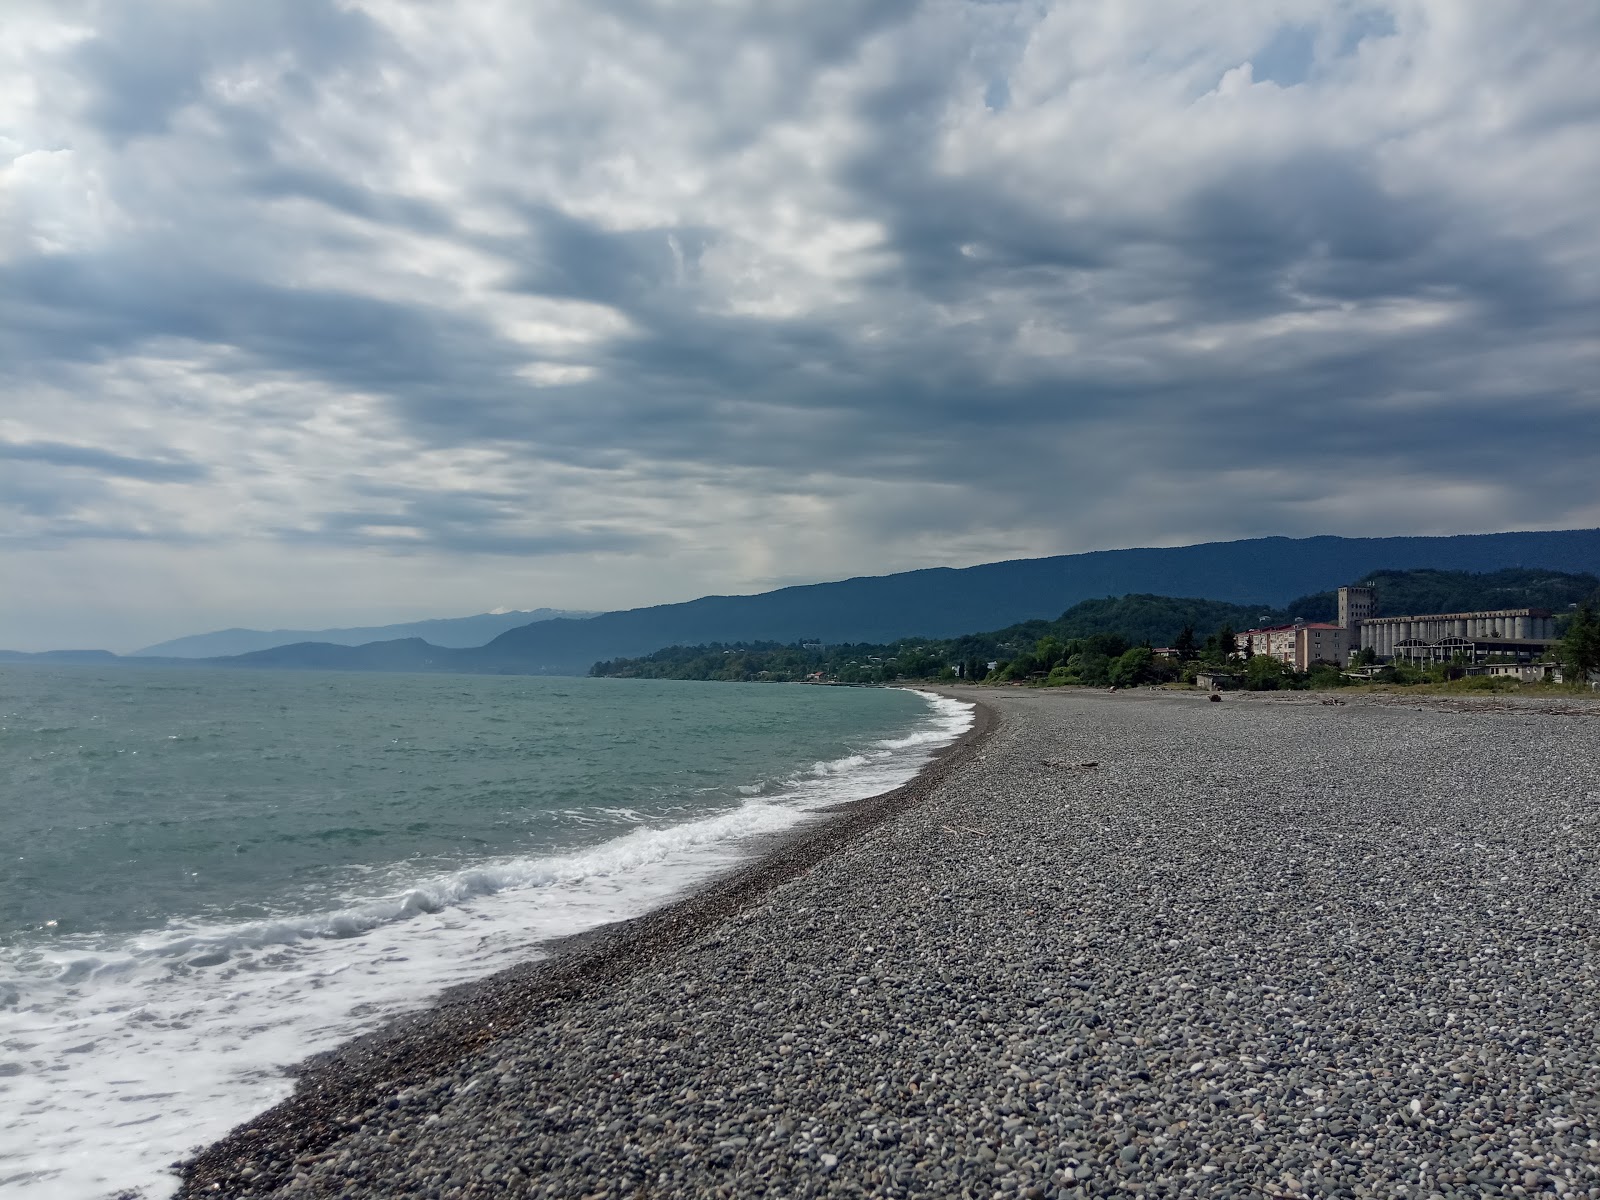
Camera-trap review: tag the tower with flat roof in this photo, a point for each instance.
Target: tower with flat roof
(1357, 603)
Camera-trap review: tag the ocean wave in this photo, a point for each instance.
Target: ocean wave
(227, 1007)
(632, 851)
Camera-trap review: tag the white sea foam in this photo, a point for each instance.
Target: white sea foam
(118, 1059)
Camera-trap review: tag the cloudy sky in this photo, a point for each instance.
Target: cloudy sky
(336, 311)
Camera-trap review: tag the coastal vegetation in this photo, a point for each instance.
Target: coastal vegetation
(1580, 644)
(1126, 641)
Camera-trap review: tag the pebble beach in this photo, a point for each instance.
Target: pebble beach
(1107, 945)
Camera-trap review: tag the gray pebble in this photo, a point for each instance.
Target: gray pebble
(1265, 948)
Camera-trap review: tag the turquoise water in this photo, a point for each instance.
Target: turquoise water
(206, 875)
(136, 796)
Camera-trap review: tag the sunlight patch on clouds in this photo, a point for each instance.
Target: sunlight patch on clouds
(540, 322)
(549, 374)
(696, 298)
(1327, 325)
(51, 202)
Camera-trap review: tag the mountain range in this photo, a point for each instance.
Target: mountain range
(944, 601)
(1111, 626)
(456, 632)
(935, 602)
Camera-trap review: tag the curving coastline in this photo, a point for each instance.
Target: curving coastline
(1105, 945)
(330, 1088)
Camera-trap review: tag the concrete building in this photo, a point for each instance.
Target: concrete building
(1357, 604)
(1537, 672)
(1301, 645)
(1319, 642)
(1521, 672)
(1522, 633)
(1471, 650)
(1274, 641)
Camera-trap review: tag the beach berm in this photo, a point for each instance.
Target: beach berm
(1110, 944)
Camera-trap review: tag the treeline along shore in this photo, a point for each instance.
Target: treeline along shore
(1120, 641)
(1131, 944)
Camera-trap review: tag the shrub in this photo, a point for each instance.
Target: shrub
(1131, 667)
(1090, 668)
(1263, 673)
(1324, 676)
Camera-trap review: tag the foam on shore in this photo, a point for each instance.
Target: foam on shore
(1336, 969)
(118, 1058)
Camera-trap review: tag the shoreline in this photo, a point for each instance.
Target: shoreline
(1113, 944)
(333, 1088)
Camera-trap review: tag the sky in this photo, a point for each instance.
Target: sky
(335, 312)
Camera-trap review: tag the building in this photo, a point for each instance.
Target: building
(1318, 642)
(1357, 604)
(1515, 634)
(1522, 634)
(1522, 672)
(1301, 645)
(1273, 641)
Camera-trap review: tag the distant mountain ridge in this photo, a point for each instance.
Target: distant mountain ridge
(58, 656)
(450, 632)
(1115, 623)
(946, 602)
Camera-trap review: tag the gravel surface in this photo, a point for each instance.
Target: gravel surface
(1135, 943)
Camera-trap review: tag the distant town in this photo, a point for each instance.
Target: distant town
(1109, 643)
(1518, 644)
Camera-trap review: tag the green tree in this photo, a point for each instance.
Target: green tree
(1323, 676)
(1263, 673)
(1020, 667)
(1580, 648)
(1048, 653)
(1091, 668)
(1185, 644)
(1131, 667)
(1221, 647)
(1109, 644)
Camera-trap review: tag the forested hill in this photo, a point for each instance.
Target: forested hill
(1402, 593)
(1115, 622)
(1112, 624)
(946, 602)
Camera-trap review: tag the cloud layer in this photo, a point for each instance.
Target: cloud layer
(324, 310)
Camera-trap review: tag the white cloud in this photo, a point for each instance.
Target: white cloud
(586, 306)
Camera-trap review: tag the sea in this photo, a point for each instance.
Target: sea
(208, 875)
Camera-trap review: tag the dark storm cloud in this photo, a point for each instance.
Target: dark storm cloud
(103, 462)
(86, 308)
(146, 63)
(1068, 296)
(459, 522)
(324, 187)
(569, 257)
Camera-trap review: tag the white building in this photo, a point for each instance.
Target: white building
(1516, 632)
(1301, 645)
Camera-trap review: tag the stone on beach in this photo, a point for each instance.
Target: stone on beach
(1267, 949)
